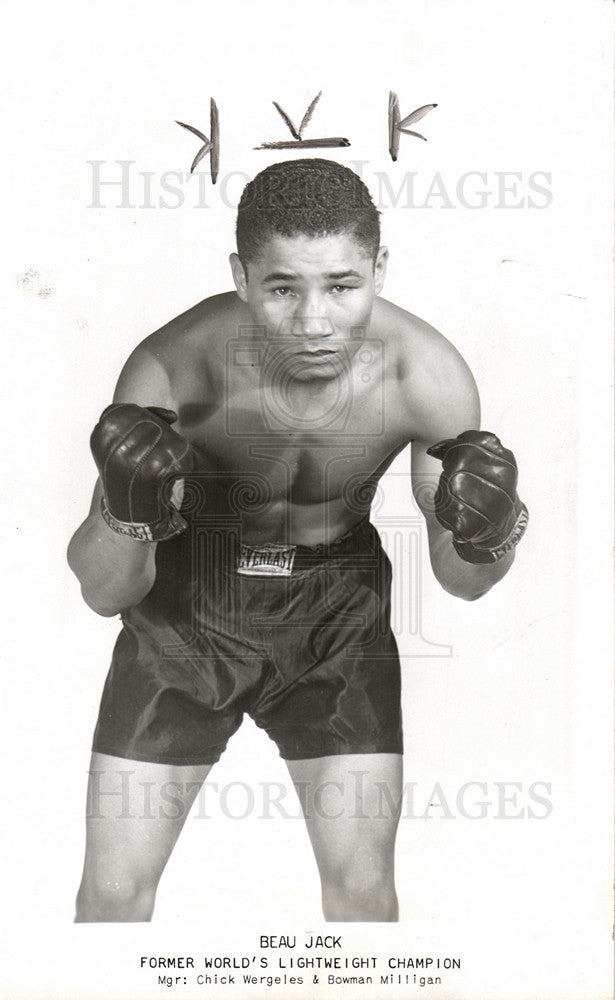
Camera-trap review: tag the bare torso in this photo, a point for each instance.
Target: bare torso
(311, 451)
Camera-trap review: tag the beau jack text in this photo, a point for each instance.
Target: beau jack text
(290, 941)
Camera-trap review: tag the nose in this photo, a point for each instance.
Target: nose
(311, 320)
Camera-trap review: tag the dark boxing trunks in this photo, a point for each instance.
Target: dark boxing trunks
(308, 653)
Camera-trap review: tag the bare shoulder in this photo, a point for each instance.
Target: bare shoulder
(435, 383)
(191, 346)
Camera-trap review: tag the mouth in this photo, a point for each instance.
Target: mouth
(321, 352)
(304, 363)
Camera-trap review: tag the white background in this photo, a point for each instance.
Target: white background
(525, 296)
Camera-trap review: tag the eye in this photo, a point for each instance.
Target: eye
(338, 289)
(283, 292)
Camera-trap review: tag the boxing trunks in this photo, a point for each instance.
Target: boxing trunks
(297, 637)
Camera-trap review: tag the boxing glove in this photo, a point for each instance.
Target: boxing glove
(477, 497)
(139, 458)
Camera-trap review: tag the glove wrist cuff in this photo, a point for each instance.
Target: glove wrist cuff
(162, 530)
(479, 554)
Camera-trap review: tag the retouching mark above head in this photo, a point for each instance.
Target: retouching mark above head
(398, 125)
(298, 141)
(210, 145)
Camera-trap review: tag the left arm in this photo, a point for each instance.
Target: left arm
(467, 489)
(458, 577)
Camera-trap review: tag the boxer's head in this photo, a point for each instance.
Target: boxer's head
(309, 262)
(311, 197)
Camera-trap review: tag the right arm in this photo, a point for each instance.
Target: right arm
(115, 571)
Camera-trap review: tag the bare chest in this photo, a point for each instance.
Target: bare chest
(300, 454)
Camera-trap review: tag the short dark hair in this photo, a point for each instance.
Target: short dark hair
(312, 197)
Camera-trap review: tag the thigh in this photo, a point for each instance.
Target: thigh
(135, 812)
(336, 684)
(351, 804)
(165, 702)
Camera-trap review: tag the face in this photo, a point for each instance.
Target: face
(314, 297)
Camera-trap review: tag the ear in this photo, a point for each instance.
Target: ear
(239, 277)
(380, 268)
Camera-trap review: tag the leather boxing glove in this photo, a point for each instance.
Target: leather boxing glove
(139, 456)
(477, 497)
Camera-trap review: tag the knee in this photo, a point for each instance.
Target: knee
(114, 899)
(360, 892)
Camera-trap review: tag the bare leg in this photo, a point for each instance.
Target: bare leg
(351, 807)
(135, 814)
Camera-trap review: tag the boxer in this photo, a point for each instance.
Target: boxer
(230, 530)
